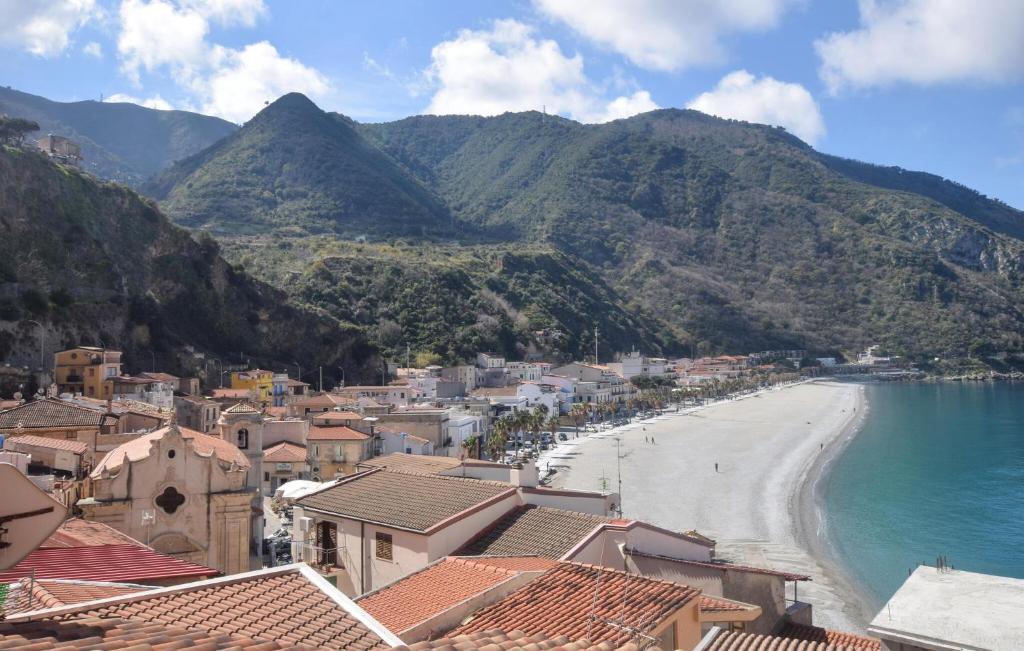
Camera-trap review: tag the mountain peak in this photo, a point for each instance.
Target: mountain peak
(293, 104)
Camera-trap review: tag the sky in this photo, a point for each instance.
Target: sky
(933, 85)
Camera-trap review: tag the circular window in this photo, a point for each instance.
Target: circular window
(170, 454)
(74, 355)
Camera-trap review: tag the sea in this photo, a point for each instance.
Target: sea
(937, 469)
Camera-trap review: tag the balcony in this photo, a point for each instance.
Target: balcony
(73, 379)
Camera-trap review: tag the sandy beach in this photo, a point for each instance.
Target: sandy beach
(760, 505)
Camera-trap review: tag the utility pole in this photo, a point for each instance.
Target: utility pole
(596, 359)
(618, 461)
(321, 379)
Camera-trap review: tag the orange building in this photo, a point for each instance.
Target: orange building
(87, 370)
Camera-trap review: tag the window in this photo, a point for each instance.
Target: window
(243, 438)
(384, 550)
(266, 476)
(170, 499)
(316, 450)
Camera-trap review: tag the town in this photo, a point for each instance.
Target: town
(413, 513)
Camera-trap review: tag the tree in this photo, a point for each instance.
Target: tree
(13, 130)
(427, 358)
(470, 446)
(552, 425)
(579, 415)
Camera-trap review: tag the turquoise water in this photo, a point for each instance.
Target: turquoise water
(935, 469)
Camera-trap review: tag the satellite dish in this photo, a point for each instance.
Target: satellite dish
(17, 395)
(27, 516)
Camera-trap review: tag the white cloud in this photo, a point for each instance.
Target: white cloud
(508, 69)
(43, 27)
(93, 49)
(244, 79)
(740, 96)
(231, 83)
(926, 42)
(154, 102)
(665, 34)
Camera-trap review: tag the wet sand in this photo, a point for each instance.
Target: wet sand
(761, 503)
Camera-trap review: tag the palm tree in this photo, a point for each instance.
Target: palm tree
(579, 415)
(498, 439)
(552, 425)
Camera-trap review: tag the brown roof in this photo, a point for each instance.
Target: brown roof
(26, 594)
(722, 605)
(161, 377)
(49, 412)
(230, 393)
(109, 634)
(727, 566)
(438, 587)
(579, 601)
(244, 407)
(404, 500)
(738, 641)
(284, 452)
(290, 605)
(533, 529)
(323, 400)
(69, 445)
(340, 433)
(77, 532)
(421, 463)
(139, 448)
(514, 641)
(337, 415)
(829, 636)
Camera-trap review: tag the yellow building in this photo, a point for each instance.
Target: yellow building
(86, 370)
(257, 380)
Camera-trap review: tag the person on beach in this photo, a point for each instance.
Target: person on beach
(716, 466)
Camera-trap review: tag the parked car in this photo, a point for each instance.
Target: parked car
(562, 436)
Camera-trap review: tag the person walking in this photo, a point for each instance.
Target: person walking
(716, 466)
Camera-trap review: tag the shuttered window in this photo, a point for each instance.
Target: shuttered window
(384, 546)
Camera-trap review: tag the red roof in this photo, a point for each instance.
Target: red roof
(70, 445)
(77, 532)
(284, 452)
(335, 434)
(113, 563)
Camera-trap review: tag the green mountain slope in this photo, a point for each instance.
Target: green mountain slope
(121, 142)
(95, 263)
(713, 234)
(294, 169)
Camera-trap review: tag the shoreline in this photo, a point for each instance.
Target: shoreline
(774, 448)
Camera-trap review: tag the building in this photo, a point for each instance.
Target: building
(260, 382)
(86, 370)
(185, 385)
(634, 364)
(242, 426)
(527, 371)
(196, 412)
(286, 390)
(335, 451)
(425, 422)
(282, 463)
(398, 395)
(392, 441)
(63, 149)
(287, 607)
(64, 456)
(312, 405)
(791, 638)
(153, 392)
(941, 608)
(180, 491)
(61, 420)
(464, 374)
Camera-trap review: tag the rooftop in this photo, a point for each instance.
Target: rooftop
(244, 407)
(116, 563)
(291, 604)
(338, 415)
(140, 448)
(989, 611)
(565, 601)
(404, 500)
(284, 452)
(829, 636)
(514, 641)
(77, 532)
(412, 462)
(110, 634)
(67, 445)
(534, 530)
(440, 586)
(25, 595)
(48, 413)
(738, 641)
(334, 433)
(725, 565)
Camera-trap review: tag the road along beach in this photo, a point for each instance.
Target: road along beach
(743, 472)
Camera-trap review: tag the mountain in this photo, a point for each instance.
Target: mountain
(714, 234)
(294, 169)
(121, 142)
(94, 263)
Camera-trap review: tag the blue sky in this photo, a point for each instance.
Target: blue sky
(934, 85)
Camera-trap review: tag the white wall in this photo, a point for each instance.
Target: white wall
(293, 431)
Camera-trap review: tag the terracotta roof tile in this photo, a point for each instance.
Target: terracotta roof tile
(77, 532)
(339, 433)
(721, 604)
(337, 415)
(69, 445)
(49, 412)
(566, 601)
(403, 500)
(109, 634)
(516, 563)
(231, 393)
(280, 605)
(533, 529)
(115, 563)
(412, 462)
(244, 407)
(829, 636)
(284, 452)
(515, 641)
(26, 595)
(140, 447)
(429, 592)
(737, 641)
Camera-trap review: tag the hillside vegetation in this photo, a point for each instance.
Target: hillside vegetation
(709, 234)
(121, 142)
(99, 265)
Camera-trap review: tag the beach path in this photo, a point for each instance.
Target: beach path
(766, 447)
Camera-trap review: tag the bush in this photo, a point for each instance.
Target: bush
(35, 301)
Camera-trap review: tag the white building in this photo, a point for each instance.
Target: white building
(634, 364)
